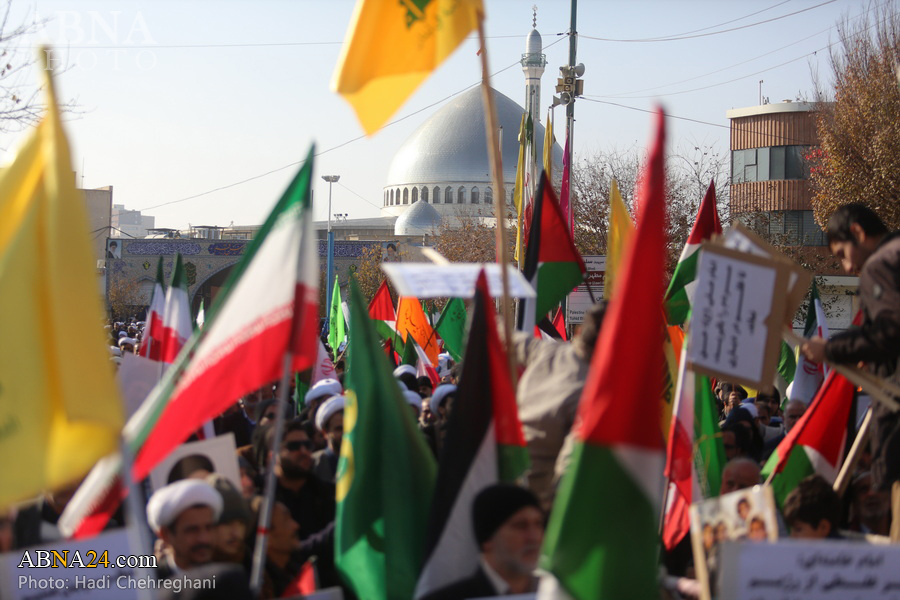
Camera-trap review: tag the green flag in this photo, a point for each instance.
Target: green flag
(385, 476)
(409, 354)
(452, 327)
(336, 329)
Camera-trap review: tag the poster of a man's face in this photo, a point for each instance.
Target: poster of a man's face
(113, 250)
(391, 253)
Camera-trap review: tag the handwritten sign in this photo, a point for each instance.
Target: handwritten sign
(73, 582)
(738, 310)
(457, 280)
(795, 570)
(137, 376)
(742, 239)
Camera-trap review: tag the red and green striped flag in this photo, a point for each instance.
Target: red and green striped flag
(484, 445)
(553, 264)
(682, 285)
(602, 538)
(815, 445)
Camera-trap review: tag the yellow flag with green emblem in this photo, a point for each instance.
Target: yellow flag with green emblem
(393, 46)
(60, 409)
(620, 231)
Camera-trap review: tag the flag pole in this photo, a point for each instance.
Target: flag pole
(862, 438)
(265, 515)
(496, 160)
(137, 528)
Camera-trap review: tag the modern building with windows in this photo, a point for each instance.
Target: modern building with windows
(769, 175)
(770, 192)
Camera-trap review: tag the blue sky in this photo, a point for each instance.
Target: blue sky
(182, 98)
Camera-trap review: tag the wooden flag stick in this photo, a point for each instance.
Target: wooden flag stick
(496, 160)
(862, 436)
(875, 386)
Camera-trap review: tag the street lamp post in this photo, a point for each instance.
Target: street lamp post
(329, 267)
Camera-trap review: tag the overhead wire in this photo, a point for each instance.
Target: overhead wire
(341, 145)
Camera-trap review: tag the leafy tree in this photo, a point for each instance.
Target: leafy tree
(688, 172)
(858, 119)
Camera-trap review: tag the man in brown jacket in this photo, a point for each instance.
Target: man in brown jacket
(863, 244)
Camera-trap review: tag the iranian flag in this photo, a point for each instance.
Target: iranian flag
(695, 455)
(553, 265)
(682, 286)
(808, 376)
(816, 443)
(178, 326)
(601, 540)
(152, 339)
(267, 307)
(484, 445)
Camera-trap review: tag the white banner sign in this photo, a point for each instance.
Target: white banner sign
(580, 299)
(823, 570)
(457, 280)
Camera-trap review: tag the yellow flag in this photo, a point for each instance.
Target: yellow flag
(60, 409)
(411, 320)
(620, 231)
(519, 186)
(548, 146)
(392, 46)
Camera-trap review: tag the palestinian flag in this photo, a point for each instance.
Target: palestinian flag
(484, 445)
(178, 326)
(553, 265)
(808, 375)
(601, 540)
(682, 286)
(151, 342)
(695, 455)
(267, 307)
(385, 476)
(381, 310)
(816, 443)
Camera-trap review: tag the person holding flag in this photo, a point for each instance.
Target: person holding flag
(861, 241)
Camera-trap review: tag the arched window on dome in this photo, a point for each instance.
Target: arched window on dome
(437, 195)
(392, 198)
(397, 197)
(425, 195)
(461, 195)
(489, 195)
(405, 195)
(475, 195)
(448, 195)
(415, 195)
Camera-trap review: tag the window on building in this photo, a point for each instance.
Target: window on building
(769, 164)
(448, 195)
(405, 195)
(425, 195)
(437, 195)
(415, 195)
(786, 227)
(461, 195)
(488, 196)
(475, 195)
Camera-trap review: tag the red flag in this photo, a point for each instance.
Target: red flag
(381, 308)
(564, 202)
(559, 323)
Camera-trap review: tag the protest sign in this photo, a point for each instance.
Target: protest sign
(809, 570)
(216, 455)
(740, 238)
(742, 515)
(137, 376)
(457, 280)
(738, 315)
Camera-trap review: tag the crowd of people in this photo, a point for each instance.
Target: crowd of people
(201, 518)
